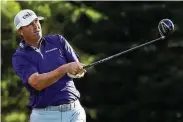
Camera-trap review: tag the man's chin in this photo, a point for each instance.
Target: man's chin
(38, 37)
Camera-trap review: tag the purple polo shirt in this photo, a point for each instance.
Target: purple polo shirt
(54, 52)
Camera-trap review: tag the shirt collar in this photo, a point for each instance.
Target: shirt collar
(24, 45)
(35, 48)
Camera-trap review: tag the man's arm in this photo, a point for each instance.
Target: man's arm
(29, 75)
(71, 56)
(41, 81)
(69, 52)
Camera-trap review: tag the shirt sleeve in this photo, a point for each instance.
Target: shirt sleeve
(23, 68)
(69, 52)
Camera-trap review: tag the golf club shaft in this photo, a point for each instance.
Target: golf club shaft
(118, 54)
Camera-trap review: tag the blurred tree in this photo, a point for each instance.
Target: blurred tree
(142, 86)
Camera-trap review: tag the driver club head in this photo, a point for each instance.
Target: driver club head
(165, 27)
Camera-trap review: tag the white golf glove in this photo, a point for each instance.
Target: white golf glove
(80, 75)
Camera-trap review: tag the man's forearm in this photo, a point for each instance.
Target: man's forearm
(41, 81)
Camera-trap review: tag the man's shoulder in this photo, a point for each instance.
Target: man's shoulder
(20, 49)
(53, 37)
(19, 52)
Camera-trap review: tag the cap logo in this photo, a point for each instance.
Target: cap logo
(21, 45)
(27, 15)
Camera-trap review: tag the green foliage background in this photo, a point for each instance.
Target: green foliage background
(142, 86)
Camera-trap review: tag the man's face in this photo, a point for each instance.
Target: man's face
(31, 32)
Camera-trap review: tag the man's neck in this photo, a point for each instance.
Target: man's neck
(35, 44)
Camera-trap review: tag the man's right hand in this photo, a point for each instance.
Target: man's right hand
(75, 68)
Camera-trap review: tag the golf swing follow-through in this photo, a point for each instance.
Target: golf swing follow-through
(53, 95)
(166, 27)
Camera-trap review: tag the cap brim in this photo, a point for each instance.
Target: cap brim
(40, 18)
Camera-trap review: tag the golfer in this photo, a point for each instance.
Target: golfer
(47, 65)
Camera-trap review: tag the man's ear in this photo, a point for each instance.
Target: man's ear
(20, 32)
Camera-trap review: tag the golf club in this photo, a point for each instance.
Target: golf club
(165, 27)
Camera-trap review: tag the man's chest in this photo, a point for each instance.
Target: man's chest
(47, 59)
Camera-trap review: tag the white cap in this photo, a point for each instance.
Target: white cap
(25, 17)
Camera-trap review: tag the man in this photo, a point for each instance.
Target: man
(46, 65)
